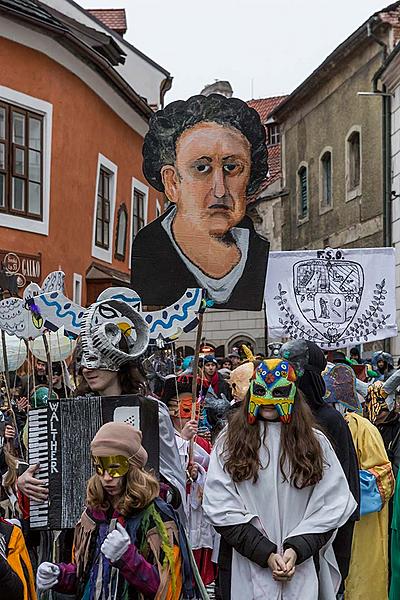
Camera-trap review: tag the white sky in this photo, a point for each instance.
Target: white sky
(263, 47)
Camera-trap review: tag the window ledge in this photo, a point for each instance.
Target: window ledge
(302, 221)
(325, 209)
(102, 254)
(354, 193)
(24, 224)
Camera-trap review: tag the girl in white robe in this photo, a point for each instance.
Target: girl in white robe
(276, 493)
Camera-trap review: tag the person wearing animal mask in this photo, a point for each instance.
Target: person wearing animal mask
(276, 493)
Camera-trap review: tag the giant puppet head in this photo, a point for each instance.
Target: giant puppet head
(113, 333)
(273, 384)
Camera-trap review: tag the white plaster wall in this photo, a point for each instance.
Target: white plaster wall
(143, 77)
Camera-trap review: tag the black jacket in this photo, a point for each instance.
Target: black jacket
(160, 276)
(251, 543)
(336, 429)
(389, 429)
(11, 586)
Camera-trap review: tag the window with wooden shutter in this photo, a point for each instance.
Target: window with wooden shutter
(303, 192)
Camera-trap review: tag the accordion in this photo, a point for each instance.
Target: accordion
(59, 439)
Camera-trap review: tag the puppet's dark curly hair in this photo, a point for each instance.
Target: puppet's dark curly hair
(167, 125)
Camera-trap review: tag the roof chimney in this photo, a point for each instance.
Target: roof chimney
(218, 87)
(113, 18)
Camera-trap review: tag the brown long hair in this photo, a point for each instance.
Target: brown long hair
(12, 472)
(301, 458)
(141, 488)
(131, 379)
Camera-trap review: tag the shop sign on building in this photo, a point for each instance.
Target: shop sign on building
(26, 267)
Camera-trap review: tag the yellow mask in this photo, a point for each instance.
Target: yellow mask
(116, 466)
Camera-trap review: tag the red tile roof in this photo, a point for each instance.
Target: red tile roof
(113, 18)
(264, 107)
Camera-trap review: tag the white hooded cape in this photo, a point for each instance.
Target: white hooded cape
(280, 510)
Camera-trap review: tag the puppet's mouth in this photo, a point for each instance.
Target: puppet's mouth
(219, 206)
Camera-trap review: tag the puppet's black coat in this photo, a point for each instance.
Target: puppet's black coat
(160, 276)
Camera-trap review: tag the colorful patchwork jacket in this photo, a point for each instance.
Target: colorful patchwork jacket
(156, 564)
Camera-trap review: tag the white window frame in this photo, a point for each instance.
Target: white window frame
(323, 208)
(102, 253)
(357, 191)
(46, 109)
(300, 218)
(77, 279)
(144, 189)
(122, 208)
(277, 133)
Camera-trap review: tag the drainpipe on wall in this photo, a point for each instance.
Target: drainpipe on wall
(386, 159)
(386, 144)
(387, 168)
(386, 154)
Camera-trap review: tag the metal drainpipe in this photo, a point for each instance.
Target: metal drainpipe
(386, 146)
(386, 156)
(386, 160)
(387, 179)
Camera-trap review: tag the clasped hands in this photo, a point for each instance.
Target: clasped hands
(283, 566)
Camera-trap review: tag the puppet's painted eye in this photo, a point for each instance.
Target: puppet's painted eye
(259, 390)
(282, 392)
(203, 168)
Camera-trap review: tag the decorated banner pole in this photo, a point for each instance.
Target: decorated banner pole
(196, 367)
(196, 364)
(49, 364)
(5, 359)
(8, 283)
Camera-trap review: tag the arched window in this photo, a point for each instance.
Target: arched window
(354, 159)
(235, 344)
(353, 163)
(183, 351)
(326, 179)
(120, 239)
(302, 187)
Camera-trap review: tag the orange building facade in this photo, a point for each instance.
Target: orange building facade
(72, 192)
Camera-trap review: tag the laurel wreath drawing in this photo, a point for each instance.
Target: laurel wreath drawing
(369, 323)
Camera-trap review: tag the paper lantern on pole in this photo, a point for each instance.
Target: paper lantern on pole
(60, 346)
(16, 352)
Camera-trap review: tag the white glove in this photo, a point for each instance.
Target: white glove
(47, 576)
(116, 544)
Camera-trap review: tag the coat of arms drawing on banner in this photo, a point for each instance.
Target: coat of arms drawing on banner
(328, 292)
(333, 297)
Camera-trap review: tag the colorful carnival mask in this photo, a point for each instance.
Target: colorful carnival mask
(116, 466)
(273, 384)
(182, 408)
(340, 383)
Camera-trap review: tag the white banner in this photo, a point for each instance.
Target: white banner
(335, 298)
